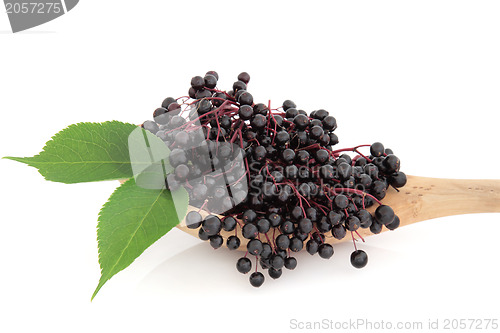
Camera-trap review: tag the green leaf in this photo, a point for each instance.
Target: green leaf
(87, 152)
(132, 220)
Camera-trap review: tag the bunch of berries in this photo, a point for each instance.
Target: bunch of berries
(270, 178)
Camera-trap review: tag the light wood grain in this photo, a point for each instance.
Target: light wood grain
(423, 199)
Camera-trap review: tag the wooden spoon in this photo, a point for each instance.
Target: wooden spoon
(421, 199)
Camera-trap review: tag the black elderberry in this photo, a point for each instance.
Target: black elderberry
(263, 225)
(233, 242)
(341, 201)
(197, 82)
(275, 273)
(322, 156)
(244, 77)
(296, 244)
(245, 112)
(312, 246)
(377, 149)
(325, 251)
(329, 123)
(287, 227)
(193, 220)
(257, 279)
(277, 261)
(181, 172)
(288, 104)
(394, 224)
(216, 241)
(291, 113)
(239, 85)
(352, 223)
(255, 247)
(245, 98)
(244, 265)
(301, 121)
(210, 81)
(392, 163)
(384, 214)
(290, 263)
(250, 231)
(359, 258)
(211, 225)
(365, 218)
(305, 225)
(267, 250)
(339, 232)
(150, 126)
(398, 179)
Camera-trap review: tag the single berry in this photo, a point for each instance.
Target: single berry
(325, 251)
(377, 149)
(216, 241)
(384, 214)
(255, 247)
(243, 265)
(233, 242)
(275, 273)
(290, 263)
(359, 258)
(212, 225)
(256, 279)
(193, 220)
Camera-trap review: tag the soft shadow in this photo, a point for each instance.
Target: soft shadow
(200, 270)
(26, 32)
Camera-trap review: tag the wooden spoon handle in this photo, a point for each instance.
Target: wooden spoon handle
(427, 198)
(423, 199)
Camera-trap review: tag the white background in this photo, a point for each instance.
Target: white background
(420, 76)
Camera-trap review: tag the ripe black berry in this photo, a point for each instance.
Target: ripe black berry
(197, 82)
(296, 244)
(229, 223)
(359, 258)
(398, 179)
(250, 231)
(249, 216)
(233, 242)
(290, 263)
(256, 279)
(210, 81)
(352, 223)
(245, 98)
(244, 77)
(216, 241)
(341, 201)
(263, 225)
(255, 247)
(384, 214)
(277, 261)
(377, 149)
(282, 242)
(243, 265)
(275, 273)
(245, 112)
(288, 104)
(325, 251)
(193, 220)
(212, 225)
(394, 224)
(312, 246)
(339, 231)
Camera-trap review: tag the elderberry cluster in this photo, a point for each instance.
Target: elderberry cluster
(272, 174)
